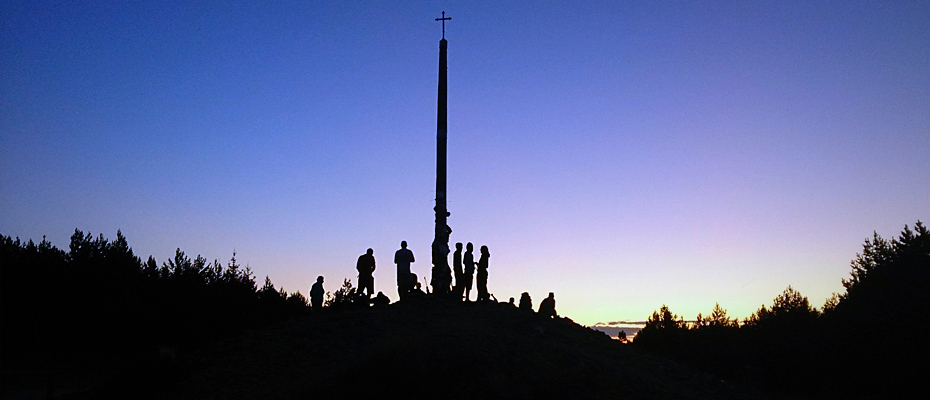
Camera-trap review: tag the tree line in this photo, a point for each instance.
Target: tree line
(867, 342)
(99, 297)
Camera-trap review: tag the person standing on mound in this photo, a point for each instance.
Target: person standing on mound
(483, 274)
(316, 294)
(468, 260)
(366, 269)
(457, 269)
(403, 258)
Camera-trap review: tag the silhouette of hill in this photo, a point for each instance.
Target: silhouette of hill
(429, 348)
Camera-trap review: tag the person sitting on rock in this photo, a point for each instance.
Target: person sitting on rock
(417, 288)
(380, 300)
(525, 302)
(547, 306)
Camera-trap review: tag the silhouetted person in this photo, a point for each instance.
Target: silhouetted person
(416, 288)
(441, 280)
(403, 258)
(511, 302)
(316, 294)
(526, 303)
(457, 269)
(547, 306)
(483, 274)
(366, 267)
(381, 300)
(468, 260)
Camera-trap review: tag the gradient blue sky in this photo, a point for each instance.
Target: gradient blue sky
(620, 154)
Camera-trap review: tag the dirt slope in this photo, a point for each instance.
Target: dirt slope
(433, 349)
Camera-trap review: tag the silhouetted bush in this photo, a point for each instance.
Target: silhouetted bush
(343, 297)
(297, 304)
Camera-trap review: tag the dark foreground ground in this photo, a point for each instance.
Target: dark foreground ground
(420, 349)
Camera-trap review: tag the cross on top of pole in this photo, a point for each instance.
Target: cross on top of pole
(444, 19)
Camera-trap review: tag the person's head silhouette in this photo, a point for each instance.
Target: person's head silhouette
(319, 279)
(458, 246)
(403, 244)
(370, 252)
(469, 247)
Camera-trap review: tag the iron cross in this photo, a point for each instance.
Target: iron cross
(444, 19)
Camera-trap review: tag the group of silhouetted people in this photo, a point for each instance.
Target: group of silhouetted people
(463, 270)
(407, 284)
(546, 306)
(463, 265)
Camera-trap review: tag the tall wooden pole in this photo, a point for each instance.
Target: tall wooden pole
(440, 247)
(441, 147)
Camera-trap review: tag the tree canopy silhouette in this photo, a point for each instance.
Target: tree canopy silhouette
(875, 326)
(99, 297)
(881, 318)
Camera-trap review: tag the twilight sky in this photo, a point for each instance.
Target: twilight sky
(623, 155)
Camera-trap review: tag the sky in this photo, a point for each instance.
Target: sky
(623, 155)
